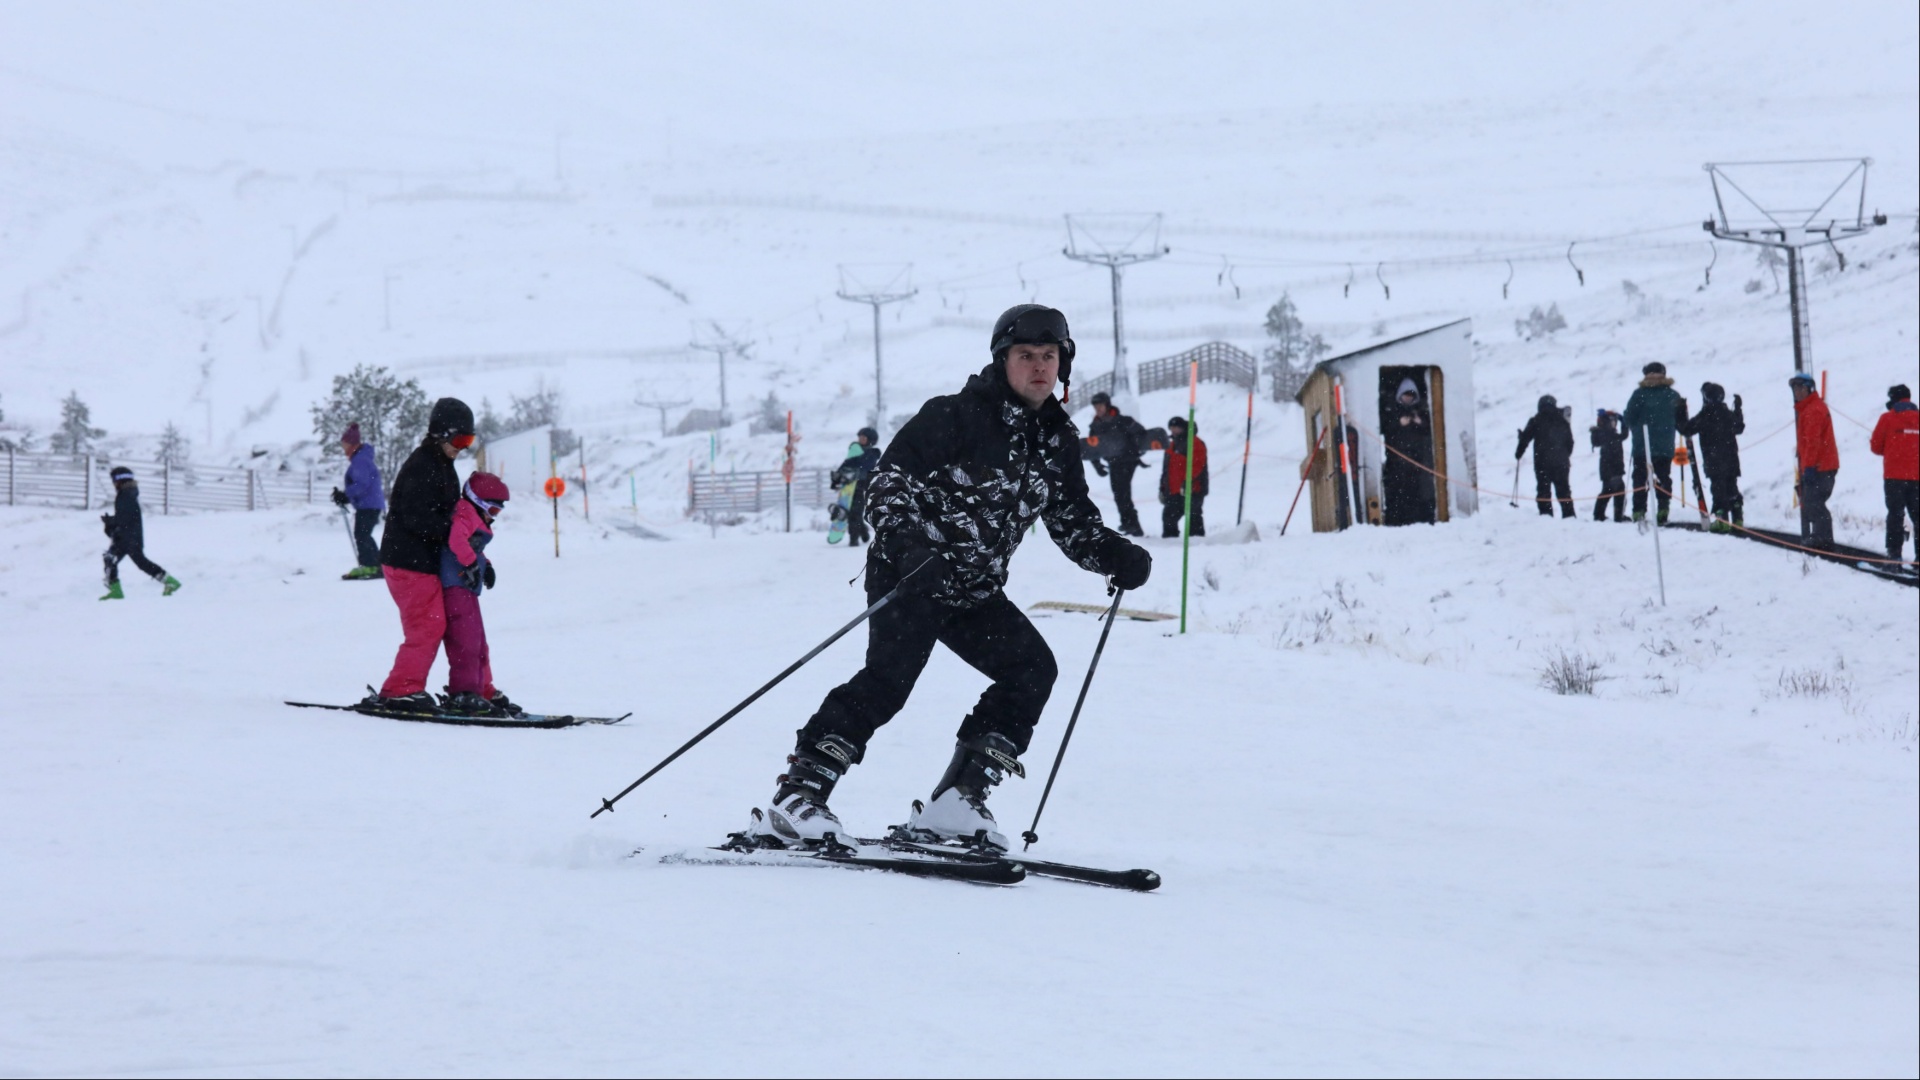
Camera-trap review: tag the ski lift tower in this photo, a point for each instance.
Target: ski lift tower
(1771, 204)
(877, 285)
(719, 339)
(1115, 241)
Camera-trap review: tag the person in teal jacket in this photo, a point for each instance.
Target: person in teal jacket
(1651, 415)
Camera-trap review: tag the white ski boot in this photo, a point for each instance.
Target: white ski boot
(958, 810)
(798, 815)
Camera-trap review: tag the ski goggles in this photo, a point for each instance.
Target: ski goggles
(1043, 327)
(460, 442)
(490, 506)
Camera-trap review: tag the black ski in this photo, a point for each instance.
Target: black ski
(528, 720)
(1133, 880)
(979, 871)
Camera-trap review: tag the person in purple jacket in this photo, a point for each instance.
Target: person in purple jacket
(364, 495)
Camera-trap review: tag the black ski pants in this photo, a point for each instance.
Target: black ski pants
(1816, 522)
(1173, 510)
(994, 638)
(1550, 480)
(118, 550)
(363, 524)
(857, 531)
(1903, 506)
(1120, 475)
(1727, 502)
(1662, 479)
(1614, 489)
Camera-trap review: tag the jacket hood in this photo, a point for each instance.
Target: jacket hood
(1548, 404)
(1902, 406)
(1406, 387)
(1713, 392)
(450, 417)
(1656, 380)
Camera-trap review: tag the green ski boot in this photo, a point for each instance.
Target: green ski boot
(113, 592)
(362, 573)
(170, 585)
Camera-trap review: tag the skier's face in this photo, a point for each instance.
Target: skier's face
(1033, 371)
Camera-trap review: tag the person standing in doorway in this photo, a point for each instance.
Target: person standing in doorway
(1896, 438)
(128, 538)
(363, 493)
(1552, 438)
(1173, 480)
(1119, 444)
(418, 529)
(1606, 436)
(1407, 473)
(1719, 429)
(1819, 460)
(1651, 414)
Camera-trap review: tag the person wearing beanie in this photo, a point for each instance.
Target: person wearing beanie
(1606, 437)
(960, 486)
(127, 537)
(1118, 445)
(419, 522)
(1552, 438)
(1652, 413)
(1818, 458)
(1719, 429)
(1173, 480)
(465, 570)
(1896, 438)
(363, 494)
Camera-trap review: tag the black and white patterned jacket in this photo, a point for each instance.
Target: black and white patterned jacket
(966, 478)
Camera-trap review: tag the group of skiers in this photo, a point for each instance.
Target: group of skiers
(1656, 415)
(1118, 445)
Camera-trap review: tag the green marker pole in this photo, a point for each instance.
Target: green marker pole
(1186, 541)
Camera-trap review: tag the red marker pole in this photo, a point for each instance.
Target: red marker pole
(555, 487)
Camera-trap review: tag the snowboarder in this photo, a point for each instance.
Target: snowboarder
(951, 500)
(1119, 445)
(1407, 473)
(1818, 457)
(464, 571)
(1173, 480)
(1650, 416)
(863, 456)
(419, 523)
(1552, 438)
(127, 537)
(364, 495)
(1606, 437)
(1897, 439)
(1718, 428)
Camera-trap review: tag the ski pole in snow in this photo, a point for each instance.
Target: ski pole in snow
(607, 804)
(1515, 501)
(352, 544)
(1030, 836)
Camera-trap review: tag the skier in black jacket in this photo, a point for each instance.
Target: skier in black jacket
(1552, 439)
(953, 497)
(1119, 447)
(1607, 437)
(128, 538)
(419, 521)
(1718, 428)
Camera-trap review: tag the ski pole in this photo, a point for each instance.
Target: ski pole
(1030, 836)
(353, 544)
(607, 804)
(1515, 501)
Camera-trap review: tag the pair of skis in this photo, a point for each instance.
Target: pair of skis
(526, 720)
(927, 857)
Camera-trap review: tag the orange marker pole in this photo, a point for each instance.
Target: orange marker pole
(555, 487)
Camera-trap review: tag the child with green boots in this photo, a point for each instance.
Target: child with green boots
(128, 540)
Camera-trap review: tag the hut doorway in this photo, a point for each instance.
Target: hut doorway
(1412, 427)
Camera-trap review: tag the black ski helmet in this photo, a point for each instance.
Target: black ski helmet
(1654, 368)
(1033, 324)
(1548, 404)
(450, 417)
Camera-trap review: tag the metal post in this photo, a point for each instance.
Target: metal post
(1246, 454)
(1797, 300)
(1090, 240)
(895, 289)
(1186, 540)
(9, 476)
(166, 488)
(879, 384)
(1119, 335)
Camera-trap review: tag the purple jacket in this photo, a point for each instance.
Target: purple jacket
(363, 481)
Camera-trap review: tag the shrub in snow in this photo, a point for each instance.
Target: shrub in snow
(1540, 323)
(1571, 673)
(392, 415)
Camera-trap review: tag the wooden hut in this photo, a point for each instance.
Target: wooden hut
(1388, 463)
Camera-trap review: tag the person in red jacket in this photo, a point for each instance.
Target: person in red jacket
(1896, 438)
(1819, 460)
(1173, 480)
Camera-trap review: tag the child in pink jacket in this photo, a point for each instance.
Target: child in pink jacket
(464, 571)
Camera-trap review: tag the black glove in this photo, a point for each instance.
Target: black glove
(339, 497)
(1736, 403)
(470, 575)
(1099, 467)
(1129, 566)
(106, 524)
(922, 570)
(487, 579)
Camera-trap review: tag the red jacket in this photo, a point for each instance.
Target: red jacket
(1897, 438)
(1175, 478)
(1815, 428)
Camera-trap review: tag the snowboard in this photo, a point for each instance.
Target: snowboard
(843, 497)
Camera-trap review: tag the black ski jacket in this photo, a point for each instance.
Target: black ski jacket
(965, 479)
(1552, 439)
(1613, 459)
(1716, 425)
(123, 525)
(420, 511)
(1121, 439)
